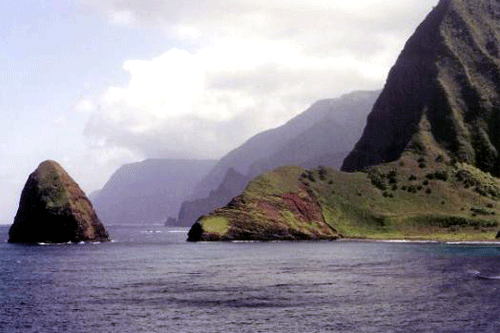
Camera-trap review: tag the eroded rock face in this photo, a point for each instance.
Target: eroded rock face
(274, 206)
(54, 209)
(443, 93)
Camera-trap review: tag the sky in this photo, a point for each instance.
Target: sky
(94, 84)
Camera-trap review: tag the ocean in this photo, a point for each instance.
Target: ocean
(150, 280)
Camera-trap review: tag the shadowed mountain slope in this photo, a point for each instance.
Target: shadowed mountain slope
(443, 93)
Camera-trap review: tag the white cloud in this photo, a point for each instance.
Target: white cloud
(122, 17)
(313, 21)
(250, 65)
(190, 102)
(60, 120)
(84, 106)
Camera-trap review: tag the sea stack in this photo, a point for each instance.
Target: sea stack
(53, 209)
(443, 94)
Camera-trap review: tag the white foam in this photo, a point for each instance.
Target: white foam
(474, 243)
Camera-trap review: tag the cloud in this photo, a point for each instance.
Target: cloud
(190, 104)
(93, 168)
(84, 106)
(314, 22)
(238, 67)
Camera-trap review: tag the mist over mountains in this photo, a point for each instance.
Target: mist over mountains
(441, 99)
(148, 191)
(321, 135)
(346, 116)
(154, 190)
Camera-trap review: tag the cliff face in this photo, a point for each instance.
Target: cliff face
(443, 93)
(54, 209)
(326, 142)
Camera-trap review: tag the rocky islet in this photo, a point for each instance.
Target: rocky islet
(53, 209)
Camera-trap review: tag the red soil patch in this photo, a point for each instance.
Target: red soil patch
(269, 210)
(305, 209)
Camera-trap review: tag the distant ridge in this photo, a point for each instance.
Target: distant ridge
(150, 191)
(443, 93)
(345, 114)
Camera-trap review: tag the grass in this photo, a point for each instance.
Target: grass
(282, 180)
(404, 202)
(441, 207)
(54, 193)
(215, 224)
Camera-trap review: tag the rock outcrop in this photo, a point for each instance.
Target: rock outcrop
(443, 93)
(53, 209)
(274, 206)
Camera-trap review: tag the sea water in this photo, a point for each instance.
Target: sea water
(150, 280)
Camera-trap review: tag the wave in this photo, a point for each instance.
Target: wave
(474, 243)
(149, 231)
(479, 275)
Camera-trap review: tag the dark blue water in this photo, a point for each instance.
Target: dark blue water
(150, 280)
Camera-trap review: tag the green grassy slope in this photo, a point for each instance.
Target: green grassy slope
(417, 197)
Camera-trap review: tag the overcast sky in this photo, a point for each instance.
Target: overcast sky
(94, 84)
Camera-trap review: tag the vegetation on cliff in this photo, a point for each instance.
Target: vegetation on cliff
(443, 93)
(419, 197)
